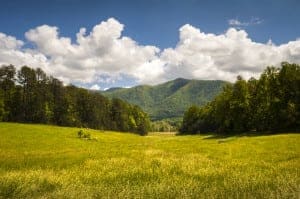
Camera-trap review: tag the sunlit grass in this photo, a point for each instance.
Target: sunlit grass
(39, 161)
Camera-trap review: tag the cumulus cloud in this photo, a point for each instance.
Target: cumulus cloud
(104, 55)
(209, 56)
(11, 52)
(8, 42)
(101, 52)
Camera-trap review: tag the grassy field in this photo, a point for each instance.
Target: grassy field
(39, 161)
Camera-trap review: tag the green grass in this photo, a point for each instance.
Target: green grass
(39, 161)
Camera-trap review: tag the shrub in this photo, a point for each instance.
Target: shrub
(86, 135)
(82, 134)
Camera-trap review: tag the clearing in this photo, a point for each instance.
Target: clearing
(40, 161)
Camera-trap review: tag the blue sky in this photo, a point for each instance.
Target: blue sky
(155, 23)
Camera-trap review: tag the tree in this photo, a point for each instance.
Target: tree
(2, 107)
(7, 85)
(27, 79)
(190, 121)
(43, 113)
(221, 110)
(41, 99)
(141, 121)
(289, 80)
(271, 103)
(239, 105)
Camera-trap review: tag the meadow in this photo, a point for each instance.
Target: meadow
(41, 161)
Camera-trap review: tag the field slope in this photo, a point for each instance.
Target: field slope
(40, 161)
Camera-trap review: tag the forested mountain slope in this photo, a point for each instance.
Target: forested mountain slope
(170, 99)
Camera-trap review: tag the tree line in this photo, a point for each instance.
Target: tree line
(30, 96)
(270, 103)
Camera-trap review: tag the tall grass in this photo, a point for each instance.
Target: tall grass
(40, 161)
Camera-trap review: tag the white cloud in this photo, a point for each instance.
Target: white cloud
(234, 22)
(209, 56)
(11, 52)
(8, 42)
(104, 55)
(238, 23)
(95, 87)
(151, 72)
(101, 52)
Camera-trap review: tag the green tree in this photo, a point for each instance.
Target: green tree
(27, 79)
(190, 121)
(239, 106)
(7, 85)
(270, 103)
(2, 107)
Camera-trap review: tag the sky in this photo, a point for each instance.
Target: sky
(119, 43)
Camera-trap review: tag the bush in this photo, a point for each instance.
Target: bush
(82, 134)
(86, 135)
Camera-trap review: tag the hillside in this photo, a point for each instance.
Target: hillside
(170, 99)
(41, 161)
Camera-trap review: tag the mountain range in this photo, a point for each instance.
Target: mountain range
(169, 99)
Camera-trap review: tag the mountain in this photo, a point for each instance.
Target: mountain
(170, 99)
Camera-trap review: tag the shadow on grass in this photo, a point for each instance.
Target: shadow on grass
(245, 134)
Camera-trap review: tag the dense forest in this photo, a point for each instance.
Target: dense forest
(270, 103)
(30, 96)
(169, 100)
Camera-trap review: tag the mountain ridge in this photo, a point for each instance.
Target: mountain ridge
(169, 99)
